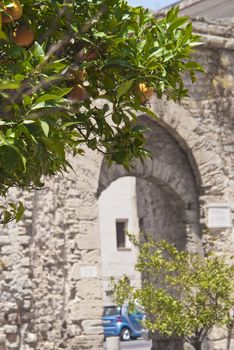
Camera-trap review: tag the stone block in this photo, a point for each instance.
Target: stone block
(218, 333)
(12, 317)
(4, 240)
(2, 339)
(23, 240)
(31, 338)
(11, 306)
(89, 290)
(12, 339)
(92, 327)
(10, 329)
(85, 309)
(25, 262)
(91, 257)
(221, 345)
(27, 305)
(88, 241)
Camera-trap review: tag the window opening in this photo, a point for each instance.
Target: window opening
(121, 228)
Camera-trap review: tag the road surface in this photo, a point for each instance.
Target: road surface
(139, 344)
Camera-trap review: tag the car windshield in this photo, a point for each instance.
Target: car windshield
(111, 310)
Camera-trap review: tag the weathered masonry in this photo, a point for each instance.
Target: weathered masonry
(50, 284)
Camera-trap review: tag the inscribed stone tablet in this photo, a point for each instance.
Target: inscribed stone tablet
(88, 272)
(219, 216)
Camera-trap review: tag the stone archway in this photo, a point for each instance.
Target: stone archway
(166, 188)
(167, 196)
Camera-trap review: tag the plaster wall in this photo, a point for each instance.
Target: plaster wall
(118, 201)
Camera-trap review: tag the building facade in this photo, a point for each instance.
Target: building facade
(51, 276)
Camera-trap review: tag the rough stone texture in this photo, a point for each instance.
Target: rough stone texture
(166, 208)
(44, 302)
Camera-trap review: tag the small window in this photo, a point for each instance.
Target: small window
(109, 293)
(121, 227)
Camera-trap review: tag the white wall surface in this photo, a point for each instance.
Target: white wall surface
(118, 201)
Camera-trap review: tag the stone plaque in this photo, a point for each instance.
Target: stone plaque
(88, 272)
(219, 216)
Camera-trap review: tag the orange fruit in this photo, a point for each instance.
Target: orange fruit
(78, 93)
(91, 55)
(12, 13)
(145, 91)
(23, 36)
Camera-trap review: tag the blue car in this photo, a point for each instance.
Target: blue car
(117, 321)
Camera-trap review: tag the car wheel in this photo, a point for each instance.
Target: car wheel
(125, 334)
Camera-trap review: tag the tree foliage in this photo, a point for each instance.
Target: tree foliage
(183, 294)
(58, 57)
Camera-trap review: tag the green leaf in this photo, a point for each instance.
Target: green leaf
(56, 66)
(195, 66)
(140, 128)
(100, 34)
(172, 13)
(8, 85)
(29, 121)
(148, 111)
(38, 51)
(158, 52)
(19, 212)
(47, 97)
(124, 88)
(45, 127)
(62, 92)
(184, 36)
(38, 106)
(117, 118)
(27, 100)
(116, 62)
(10, 159)
(3, 36)
(178, 23)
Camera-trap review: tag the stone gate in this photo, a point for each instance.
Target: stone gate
(50, 282)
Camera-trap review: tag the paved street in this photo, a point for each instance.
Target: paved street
(134, 345)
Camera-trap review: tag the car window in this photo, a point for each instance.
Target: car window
(111, 310)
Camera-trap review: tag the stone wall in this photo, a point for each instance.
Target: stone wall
(168, 200)
(204, 127)
(51, 296)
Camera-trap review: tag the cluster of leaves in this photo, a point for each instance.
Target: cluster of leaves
(183, 294)
(116, 47)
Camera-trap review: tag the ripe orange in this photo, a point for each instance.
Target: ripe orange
(145, 91)
(78, 93)
(91, 55)
(23, 36)
(12, 13)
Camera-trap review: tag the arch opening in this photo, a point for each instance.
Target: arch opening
(163, 192)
